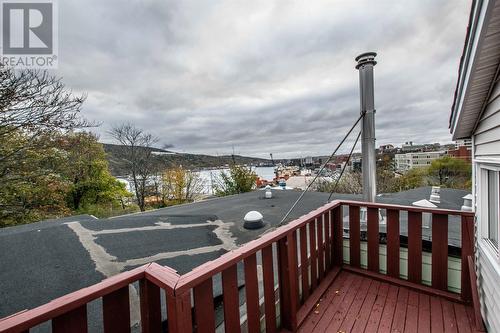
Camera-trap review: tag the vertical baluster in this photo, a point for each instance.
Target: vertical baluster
(467, 250)
(252, 294)
(293, 274)
(150, 306)
(337, 236)
(74, 321)
(116, 311)
(269, 299)
(373, 239)
(393, 243)
(304, 266)
(204, 307)
(328, 240)
(440, 251)
(354, 237)
(415, 247)
(321, 252)
(314, 254)
(231, 300)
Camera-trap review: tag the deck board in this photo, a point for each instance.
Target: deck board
(389, 308)
(411, 324)
(354, 303)
(424, 313)
(377, 308)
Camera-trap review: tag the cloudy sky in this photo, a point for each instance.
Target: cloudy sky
(262, 76)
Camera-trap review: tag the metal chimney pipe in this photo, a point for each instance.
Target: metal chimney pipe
(366, 61)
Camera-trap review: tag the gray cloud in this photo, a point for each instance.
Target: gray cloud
(262, 76)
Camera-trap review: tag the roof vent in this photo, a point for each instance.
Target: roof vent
(467, 206)
(253, 220)
(435, 194)
(269, 194)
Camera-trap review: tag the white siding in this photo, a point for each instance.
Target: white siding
(489, 292)
(487, 133)
(487, 148)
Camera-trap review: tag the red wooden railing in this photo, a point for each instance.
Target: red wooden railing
(298, 261)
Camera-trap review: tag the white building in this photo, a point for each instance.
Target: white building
(407, 161)
(476, 114)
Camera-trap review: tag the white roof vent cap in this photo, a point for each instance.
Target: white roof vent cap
(467, 206)
(253, 220)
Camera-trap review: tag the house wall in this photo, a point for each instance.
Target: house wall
(486, 153)
(487, 133)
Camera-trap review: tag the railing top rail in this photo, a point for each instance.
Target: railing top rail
(406, 208)
(29, 318)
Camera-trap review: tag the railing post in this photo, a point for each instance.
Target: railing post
(393, 242)
(467, 250)
(150, 306)
(72, 321)
(287, 267)
(116, 311)
(415, 247)
(440, 251)
(328, 240)
(373, 239)
(230, 300)
(203, 307)
(269, 298)
(337, 236)
(179, 312)
(354, 237)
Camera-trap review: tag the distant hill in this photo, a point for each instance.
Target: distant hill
(118, 162)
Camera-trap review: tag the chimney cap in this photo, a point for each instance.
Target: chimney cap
(435, 194)
(366, 58)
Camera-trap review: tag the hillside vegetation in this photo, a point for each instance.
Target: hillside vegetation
(168, 159)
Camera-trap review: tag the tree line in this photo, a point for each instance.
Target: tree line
(447, 172)
(50, 165)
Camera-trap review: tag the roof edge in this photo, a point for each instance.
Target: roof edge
(476, 30)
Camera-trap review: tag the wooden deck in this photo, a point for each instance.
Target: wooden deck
(355, 303)
(310, 247)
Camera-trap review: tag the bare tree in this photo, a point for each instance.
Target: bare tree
(33, 104)
(33, 100)
(138, 153)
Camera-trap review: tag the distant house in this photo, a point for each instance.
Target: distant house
(462, 152)
(386, 148)
(476, 114)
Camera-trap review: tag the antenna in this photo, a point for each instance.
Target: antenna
(274, 166)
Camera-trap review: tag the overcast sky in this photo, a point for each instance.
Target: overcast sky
(262, 76)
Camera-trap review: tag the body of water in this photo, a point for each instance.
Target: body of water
(209, 177)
